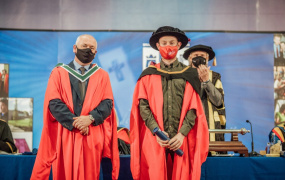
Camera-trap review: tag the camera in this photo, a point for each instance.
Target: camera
(197, 61)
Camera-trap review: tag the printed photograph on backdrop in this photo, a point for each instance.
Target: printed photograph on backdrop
(279, 78)
(4, 109)
(279, 49)
(4, 83)
(20, 120)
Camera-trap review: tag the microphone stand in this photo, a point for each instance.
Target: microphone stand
(252, 153)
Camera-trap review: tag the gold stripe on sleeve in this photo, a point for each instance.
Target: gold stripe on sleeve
(10, 146)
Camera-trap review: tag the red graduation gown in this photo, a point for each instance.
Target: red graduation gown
(6, 82)
(147, 156)
(72, 155)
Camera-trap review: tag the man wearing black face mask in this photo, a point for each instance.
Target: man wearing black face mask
(79, 119)
(212, 93)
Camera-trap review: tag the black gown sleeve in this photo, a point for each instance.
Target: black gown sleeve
(6, 140)
(102, 111)
(62, 114)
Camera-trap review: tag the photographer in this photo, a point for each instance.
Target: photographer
(212, 93)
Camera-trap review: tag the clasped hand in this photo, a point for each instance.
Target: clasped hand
(81, 123)
(173, 144)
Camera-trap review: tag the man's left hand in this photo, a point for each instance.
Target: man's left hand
(81, 122)
(176, 142)
(203, 72)
(85, 131)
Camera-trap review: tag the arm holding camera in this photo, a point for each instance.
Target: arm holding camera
(213, 93)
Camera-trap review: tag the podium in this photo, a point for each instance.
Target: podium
(233, 145)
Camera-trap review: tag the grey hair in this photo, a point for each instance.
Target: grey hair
(78, 39)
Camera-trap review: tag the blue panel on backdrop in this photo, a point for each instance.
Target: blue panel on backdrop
(31, 56)
(245, 61)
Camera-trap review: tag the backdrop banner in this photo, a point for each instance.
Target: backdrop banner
(244, 60)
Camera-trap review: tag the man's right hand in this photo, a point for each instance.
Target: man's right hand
(161, 142)
(203, 72)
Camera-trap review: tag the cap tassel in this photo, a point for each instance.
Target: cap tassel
(215, 62)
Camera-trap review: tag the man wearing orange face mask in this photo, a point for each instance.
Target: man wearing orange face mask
(167, 97)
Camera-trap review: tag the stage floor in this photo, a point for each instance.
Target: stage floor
(19, 167)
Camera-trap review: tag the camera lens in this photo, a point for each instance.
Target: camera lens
(197, 61)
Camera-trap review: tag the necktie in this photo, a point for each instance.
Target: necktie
(277, 52)
(82, 85)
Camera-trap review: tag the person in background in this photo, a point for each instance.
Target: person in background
(4, 83)
(280, 116)
(4, 109)
(279, 129)
(282, 45)
(277, 51)
(279, 89)
(212, 93)
(6, 138)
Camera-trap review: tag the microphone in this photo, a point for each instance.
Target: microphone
(252, 145)
(163, 137)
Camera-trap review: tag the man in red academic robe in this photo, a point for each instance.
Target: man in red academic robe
(4, 86)
(166, 97)
(79, 119)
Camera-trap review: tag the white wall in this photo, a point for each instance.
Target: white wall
(132, 15)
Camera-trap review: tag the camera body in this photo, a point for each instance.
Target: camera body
(197, 61)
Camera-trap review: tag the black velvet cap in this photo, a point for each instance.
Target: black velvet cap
(168, 31)
(200, 47)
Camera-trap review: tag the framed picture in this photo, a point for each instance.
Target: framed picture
(20, 120)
